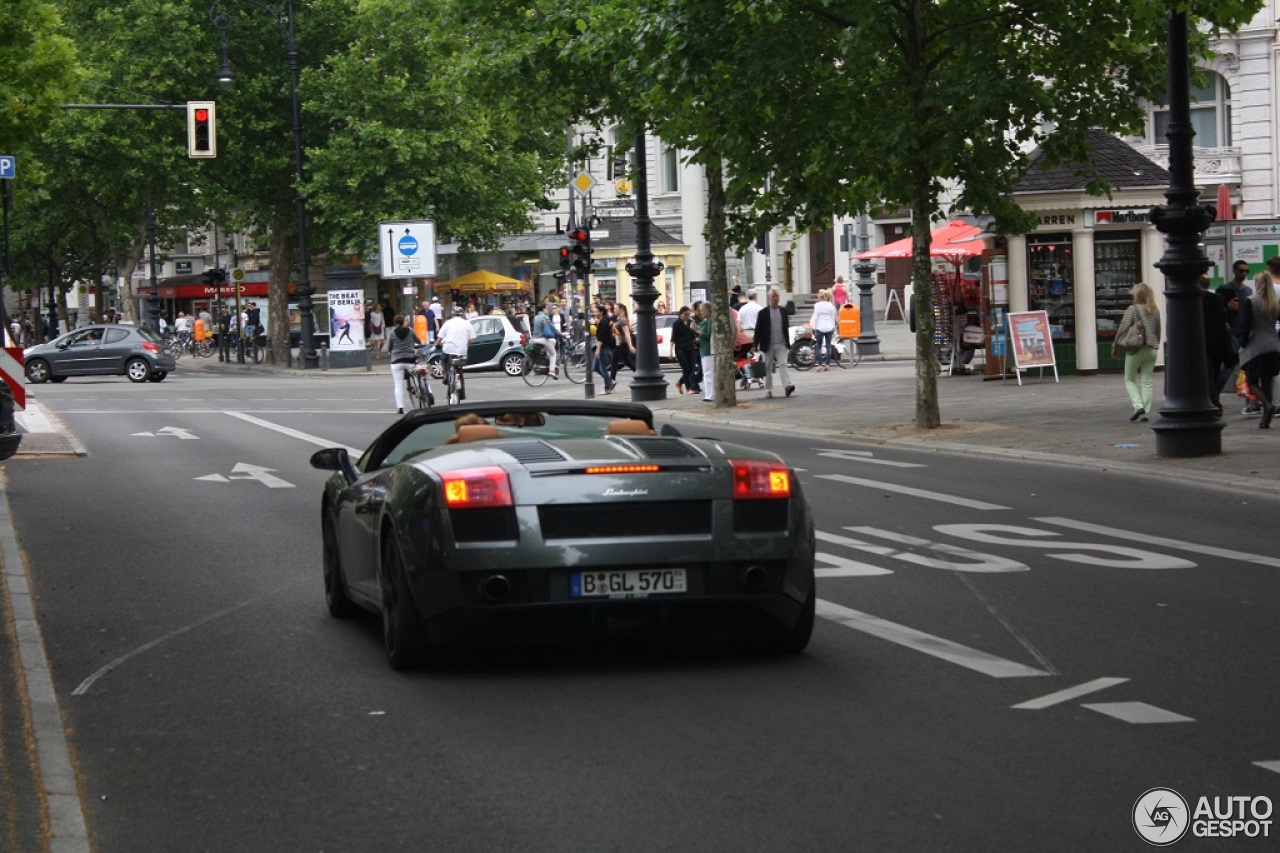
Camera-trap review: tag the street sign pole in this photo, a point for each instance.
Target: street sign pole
(8, 166)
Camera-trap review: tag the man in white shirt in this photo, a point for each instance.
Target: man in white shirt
(748, 313)
(454, 338)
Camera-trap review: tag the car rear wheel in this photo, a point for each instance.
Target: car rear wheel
(436, 367)
(335, 591)
(137, 370)
(57, 379)
(513, 363)
(402, 633)
(159, 375)
(38, 371)
(787, 642)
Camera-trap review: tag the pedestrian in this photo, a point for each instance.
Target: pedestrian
(604, 346)
(624, 345)
(403, 352)
(1140, 363)
(1260, 354)
(735, 297)
(706, 353)
(771, 339)
(546, 336)
(253, 321)
(840, 293)
(1232, 294)
(1219, 348)
(377, 330)
(685, 341)
(823, 323)
(748, 313)
(225, 324)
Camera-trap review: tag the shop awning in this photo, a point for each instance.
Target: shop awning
(480, 280)
(956, 239)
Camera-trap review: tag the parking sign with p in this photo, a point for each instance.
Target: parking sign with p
(8, 166)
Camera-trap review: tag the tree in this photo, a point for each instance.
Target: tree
(37, 70)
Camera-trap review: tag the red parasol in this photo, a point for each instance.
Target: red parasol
(956, 239)
(1225, 212)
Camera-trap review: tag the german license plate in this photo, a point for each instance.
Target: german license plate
(626, 583)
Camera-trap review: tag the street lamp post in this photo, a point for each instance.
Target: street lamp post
(868, 341)
(648, 383)
(284, 19)
(1188, 424)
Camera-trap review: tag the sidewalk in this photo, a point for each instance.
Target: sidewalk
(1079, 421)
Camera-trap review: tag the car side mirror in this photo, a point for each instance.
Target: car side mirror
(335, 459)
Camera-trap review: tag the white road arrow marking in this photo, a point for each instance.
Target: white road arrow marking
(1069, 693)
(177, 432)
(212, 478)
(1138, 713)
(261, 474)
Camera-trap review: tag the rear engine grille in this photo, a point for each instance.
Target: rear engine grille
(666, 448)
(616, 520)
(760, 516)
(496, 524)
(528, 452)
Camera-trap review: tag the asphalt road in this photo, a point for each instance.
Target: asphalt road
(1010, 655)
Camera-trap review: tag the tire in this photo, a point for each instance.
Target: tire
(137, 370)
(418, 392)
(513, 363)
(575, 365)
(159, 375)
(455, 397)
(790, 641)
(335, 590)
(57, 379)
(802, 355)
(403, 637)
(436, 366)
(534, 368)
(38, 371)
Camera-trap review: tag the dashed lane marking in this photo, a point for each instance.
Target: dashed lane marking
(974, 659)
(912, 492)
(1138, 713)
(867, 457)
(1069, 693)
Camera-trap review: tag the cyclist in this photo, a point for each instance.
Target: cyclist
(403, 347)
(546, 336)
(453, 339)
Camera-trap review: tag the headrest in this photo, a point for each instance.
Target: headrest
(477, 432)
(628, 426)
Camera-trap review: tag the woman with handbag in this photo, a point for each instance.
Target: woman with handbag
(1139, 336)
(1260, 353)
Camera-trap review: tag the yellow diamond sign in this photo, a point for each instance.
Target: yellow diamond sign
(583, 182)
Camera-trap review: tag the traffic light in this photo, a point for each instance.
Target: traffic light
(566, 257)
(580, 250)
(202, 139)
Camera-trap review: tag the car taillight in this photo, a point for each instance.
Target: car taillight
(150, 347)
(756, 478)
(622, 469)
(477, 488)
(523, 339)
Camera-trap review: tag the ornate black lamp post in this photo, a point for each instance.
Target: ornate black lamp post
(284, 19)
(648, 383)
(868, 340)
(1188, 425)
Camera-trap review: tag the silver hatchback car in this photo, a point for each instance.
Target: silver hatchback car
(100, 350)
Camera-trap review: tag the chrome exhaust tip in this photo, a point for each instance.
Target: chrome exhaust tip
(495, 588)
(754, 578)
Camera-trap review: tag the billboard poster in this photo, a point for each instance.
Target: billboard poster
(346, 320)
(1029, 339)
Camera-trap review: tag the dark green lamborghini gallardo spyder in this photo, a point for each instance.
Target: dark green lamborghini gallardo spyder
(488, 523)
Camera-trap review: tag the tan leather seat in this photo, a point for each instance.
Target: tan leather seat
(477, 432)
(628, 426)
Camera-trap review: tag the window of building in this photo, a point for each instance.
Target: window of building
(670, 170)
(1210, 114)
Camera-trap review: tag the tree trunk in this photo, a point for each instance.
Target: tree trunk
(282, 258)
(723, 333)
(923, 204)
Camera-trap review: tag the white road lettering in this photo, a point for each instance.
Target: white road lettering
(971, 561)
(978, 661)
(1163, 542)
(1112, 556)
(843, 567)
(1066, 695)
(912, 492)
(866, 456)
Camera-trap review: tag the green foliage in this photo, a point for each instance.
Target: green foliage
(37, 71)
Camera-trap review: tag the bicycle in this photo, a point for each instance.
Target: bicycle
(574, 362)
(253, 349)
(537, 364)
(418, 384)
(455, 385)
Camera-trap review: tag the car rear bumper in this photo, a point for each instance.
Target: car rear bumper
(499, 606)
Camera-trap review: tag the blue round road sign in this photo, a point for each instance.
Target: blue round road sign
(408, 244)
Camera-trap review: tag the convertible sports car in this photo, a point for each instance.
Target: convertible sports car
(539, 521)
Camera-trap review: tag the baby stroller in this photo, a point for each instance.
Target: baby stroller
(750, 366)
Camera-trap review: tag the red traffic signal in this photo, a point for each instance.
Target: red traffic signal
(201, 131)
